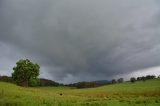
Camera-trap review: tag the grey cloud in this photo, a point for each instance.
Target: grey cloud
(83, 40)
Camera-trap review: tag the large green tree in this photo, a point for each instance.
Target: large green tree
(25, 72)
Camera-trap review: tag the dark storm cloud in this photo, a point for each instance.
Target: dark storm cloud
(82, 40)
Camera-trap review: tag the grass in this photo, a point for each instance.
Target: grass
(126, 94)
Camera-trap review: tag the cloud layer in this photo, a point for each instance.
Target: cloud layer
(75, 40)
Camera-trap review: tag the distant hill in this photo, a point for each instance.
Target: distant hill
(43, 82)
(6, 79)
(47, 82)
(90, 84)
(102, 82)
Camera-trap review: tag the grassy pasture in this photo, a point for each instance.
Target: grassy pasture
(126, 94)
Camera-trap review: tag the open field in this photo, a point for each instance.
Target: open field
(126, 94)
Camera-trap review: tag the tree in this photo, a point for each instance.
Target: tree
(132, 79)
(139, 78)
(25, 72)
(143, 78)
(120, 80)
(114, 81)
(150, 77)
(34, 82)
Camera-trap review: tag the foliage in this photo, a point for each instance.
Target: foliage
(120, 80)
(132, 79)
(91, 84)
(34, 82)
(6, 79)
(24, 72)
(114, 81)
(150, 77)
(84, 85)
(147, 77)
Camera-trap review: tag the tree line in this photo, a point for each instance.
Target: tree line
(133, 79)
(120, 80)
(143, 78)
(40, 82)
(83, 85)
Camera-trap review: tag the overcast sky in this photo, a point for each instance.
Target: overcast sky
(81, 40)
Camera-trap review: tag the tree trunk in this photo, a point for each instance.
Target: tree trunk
(24, 84)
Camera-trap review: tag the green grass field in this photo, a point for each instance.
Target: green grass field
(126, 94)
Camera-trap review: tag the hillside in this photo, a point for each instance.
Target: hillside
(126, 94)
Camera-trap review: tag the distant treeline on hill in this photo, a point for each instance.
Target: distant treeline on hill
(146, 77)
(6, 79)
(105, 82)
(133, 79)
(143, 78)
(90, 84)
(42, 81)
